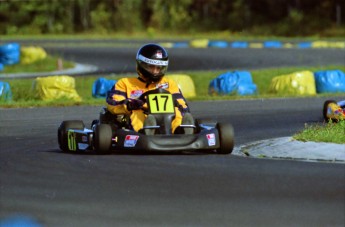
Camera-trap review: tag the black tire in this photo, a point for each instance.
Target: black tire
(102, 138)
(94, 122)
(325, 107)
(62, 132)
(226, 138)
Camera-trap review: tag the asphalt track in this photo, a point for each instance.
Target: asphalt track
(59, 189)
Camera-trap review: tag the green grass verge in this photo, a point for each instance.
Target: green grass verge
(50, 63)
(329, 132)
(214, 35)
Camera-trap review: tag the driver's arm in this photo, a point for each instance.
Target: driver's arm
(116, 98)
(177, 94)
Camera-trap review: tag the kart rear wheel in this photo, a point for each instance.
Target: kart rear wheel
(226, 138)
(62, 132)
(325, 109)
(102, 138)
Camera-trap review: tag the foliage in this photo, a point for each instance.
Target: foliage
(329, 132)
(260, 17)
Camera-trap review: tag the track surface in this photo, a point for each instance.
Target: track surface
(60, 189)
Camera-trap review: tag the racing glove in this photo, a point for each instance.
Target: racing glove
(134, 104)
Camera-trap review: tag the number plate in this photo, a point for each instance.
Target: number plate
(161, 103)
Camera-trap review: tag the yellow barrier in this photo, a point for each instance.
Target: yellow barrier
(31, 54)
(56, 87)
(326, 44)
(300, 83)
(185, 84)
(199, 43)
(256, 45)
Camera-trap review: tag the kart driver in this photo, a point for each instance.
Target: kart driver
(151, 65)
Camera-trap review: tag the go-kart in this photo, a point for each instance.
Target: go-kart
(111, 133)
(333, 111)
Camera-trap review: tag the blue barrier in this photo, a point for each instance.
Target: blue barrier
(5, 91)
(239, 44)
(330, 81)
(273, 44)
(10, 53)
(19, 221)
(219, 44)
(101, 87)
(304, 45)
(181, 45)
(228, 83)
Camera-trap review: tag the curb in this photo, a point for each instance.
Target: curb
(289, 149)
(78, 69)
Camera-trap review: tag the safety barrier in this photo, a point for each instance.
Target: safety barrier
(237, 82)
(56, 87)
(273, 44)
(5, 91)
(101, 87)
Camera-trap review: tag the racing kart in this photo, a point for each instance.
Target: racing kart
(333, 111)
(111, 133)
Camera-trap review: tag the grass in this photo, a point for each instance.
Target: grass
(50, 63)
(336, 34)
(328, 132)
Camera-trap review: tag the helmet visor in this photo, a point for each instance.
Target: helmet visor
(153, 66)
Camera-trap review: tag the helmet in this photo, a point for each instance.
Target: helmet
(152, 62)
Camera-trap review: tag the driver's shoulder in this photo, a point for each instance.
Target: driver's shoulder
(168, 80)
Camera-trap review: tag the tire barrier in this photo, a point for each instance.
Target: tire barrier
(199, 43)
(185, 83)
(56, 87)
(297, 83)
(218, 44)
(205, 43)
(31, 54)
(236, 82)
(10, 54)
(101, 87)
(5, 91)
(330, 81)
(273, 44)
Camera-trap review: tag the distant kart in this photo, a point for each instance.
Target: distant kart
(111, 133)
(334, 111)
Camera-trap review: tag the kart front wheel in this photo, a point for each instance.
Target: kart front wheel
(325, 109)
(62, 132)
(226, 138)
(102, 138)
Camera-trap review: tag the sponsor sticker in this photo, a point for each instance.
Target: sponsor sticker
(136, 94)
(153, 61)
(131, 140)
(71, 140)
(163, 86)
(83, 146)
(211, 139)
(159, 54)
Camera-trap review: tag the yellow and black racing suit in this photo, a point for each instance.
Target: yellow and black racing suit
(133, 88)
